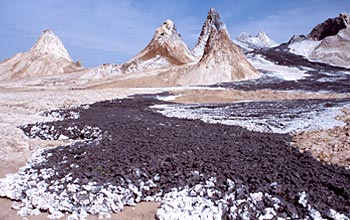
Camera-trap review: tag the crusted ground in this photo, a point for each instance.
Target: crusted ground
(330, 146)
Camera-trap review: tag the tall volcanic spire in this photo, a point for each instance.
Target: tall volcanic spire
(221, 59)
(213, 19)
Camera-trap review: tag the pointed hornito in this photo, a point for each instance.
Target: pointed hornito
(166, 48)
(50, 44)
(222, 60)
(47, 57)
(212, 17)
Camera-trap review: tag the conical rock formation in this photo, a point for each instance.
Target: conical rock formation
(222, 60)
(165, 49)
(212, 18)
(46, 58)
(50, 44)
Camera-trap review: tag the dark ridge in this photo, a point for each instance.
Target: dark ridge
(137, 138)
(330, 27)
(281, 56)
(314, 83)
(321, 77)
(296, 38)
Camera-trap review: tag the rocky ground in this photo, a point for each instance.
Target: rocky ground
(205, 96)
(142, 211)
(274, 147)
(138, 154)
(281, 116)
(19, 106)
(331, 145)
(113, 154)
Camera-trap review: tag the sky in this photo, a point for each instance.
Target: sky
(110, 31)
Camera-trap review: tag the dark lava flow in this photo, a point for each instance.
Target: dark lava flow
(322, 77)
(137, 138)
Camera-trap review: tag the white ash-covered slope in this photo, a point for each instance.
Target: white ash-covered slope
(222, 60)
(47, 57)
(103, 71)
(328, 42)
(249, 43)
(49, 43)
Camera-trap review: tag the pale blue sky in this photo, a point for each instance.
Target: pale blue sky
(110, 31)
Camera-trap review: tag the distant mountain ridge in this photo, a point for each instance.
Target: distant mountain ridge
(248, 42)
